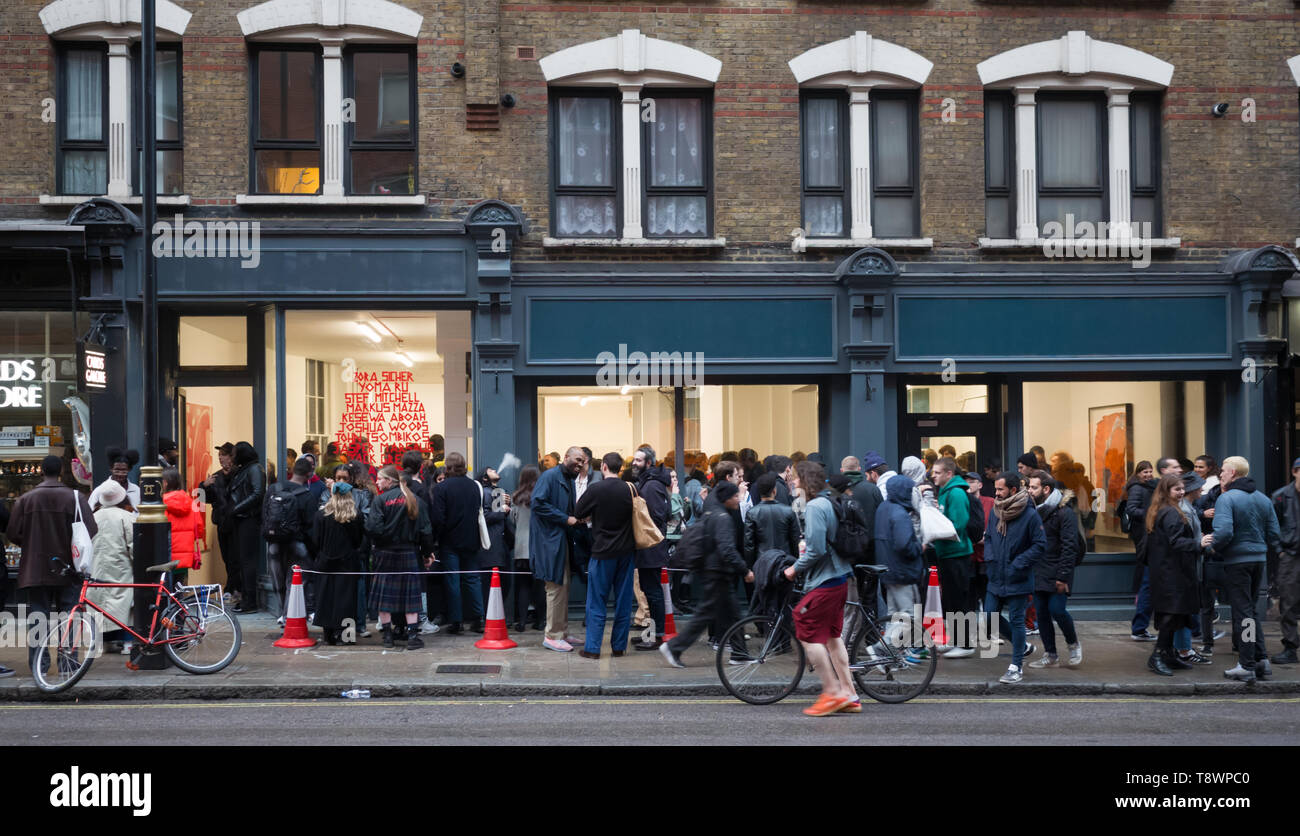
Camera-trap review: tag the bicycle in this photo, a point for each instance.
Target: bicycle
(760, 662)
(191, 629)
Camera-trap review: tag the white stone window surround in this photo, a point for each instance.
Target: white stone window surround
(332, 24)
(631, 61)
(116, 23)
(858, 64)
(1294, 64)
(1077, 62)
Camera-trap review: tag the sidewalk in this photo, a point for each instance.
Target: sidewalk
(1113, 664)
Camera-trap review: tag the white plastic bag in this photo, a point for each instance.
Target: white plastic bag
(83, 548)
(484, 540)
(935, 526)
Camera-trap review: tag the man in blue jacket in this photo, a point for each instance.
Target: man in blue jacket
(550, 542)
(1013, 542)
(1245, 528)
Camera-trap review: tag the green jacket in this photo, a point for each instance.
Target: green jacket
(955, 505)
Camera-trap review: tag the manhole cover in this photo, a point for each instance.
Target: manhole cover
(468, 669)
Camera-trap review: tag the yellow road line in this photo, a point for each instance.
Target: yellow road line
(110, 706)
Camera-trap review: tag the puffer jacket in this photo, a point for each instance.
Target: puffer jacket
(897, 545)
(1009, 559)
(187, 527)
(1061, 554)
(1245, 526)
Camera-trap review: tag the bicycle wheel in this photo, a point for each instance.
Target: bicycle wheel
(66, 654)
(888, 671)
(759, 661)
(209, 637)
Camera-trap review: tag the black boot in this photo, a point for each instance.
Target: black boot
(413, 640)
(388, 634)
(1156, 664)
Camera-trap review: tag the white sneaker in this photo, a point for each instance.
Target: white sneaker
(1076, 655)
(558, 645)
(1047, 660)
(429, 627)
(944, 648)
(1012, 676)
(959, 653)
(280, 621)
(1033, 632)
(365, 634)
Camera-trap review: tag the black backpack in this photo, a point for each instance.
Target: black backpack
(280, 520)
(975, 523)
(852, 541)
(692, 548)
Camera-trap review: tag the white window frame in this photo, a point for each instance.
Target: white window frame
(859, 64)
(116, 23)
(1075, 61)
(631, 61)
(332, 24)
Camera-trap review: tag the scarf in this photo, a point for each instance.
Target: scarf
(1010, 508)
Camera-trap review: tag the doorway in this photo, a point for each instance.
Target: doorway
(958, 419)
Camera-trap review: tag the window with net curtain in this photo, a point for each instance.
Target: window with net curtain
(676, 188)
(586, 191)
(824, 139)
(85, 145)
(1071, 176)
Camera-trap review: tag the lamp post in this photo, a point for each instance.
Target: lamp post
(152, 531)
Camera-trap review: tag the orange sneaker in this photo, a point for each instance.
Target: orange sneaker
(825, 705)
(853, 706)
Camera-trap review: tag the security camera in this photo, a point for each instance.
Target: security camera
(458, 70)
(508, 100)
(1220, 110)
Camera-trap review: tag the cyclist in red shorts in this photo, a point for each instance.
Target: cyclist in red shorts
(819, 614)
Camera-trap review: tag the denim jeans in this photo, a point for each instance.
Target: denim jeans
(1012, 625)
(452, 562)
(48, 602)
(1051, 607)
(602, 574)
(1142, 607)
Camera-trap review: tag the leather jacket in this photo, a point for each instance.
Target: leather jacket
(770, 525)
(247, 487)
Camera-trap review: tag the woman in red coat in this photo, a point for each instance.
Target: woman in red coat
(187, 524)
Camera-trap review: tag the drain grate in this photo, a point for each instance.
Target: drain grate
(468, 669)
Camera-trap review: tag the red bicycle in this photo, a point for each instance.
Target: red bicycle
(191, 626)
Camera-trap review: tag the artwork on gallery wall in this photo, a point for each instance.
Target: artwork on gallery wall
(199, 452)
(1110, 431)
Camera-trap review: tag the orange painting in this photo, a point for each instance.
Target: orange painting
(198, 444)
(1112, 456)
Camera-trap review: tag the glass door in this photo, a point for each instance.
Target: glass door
(950, 419)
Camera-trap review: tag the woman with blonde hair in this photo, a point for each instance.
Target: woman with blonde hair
(339, 532)
(398, 525)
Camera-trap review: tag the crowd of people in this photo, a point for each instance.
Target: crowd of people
(407, 546)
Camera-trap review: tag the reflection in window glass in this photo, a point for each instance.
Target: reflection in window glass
(947, 398)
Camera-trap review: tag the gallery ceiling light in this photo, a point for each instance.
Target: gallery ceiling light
(368, 331)
(625, 390)
(403, 358)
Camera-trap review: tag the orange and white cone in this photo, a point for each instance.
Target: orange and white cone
(932, 618)
(670, 629)
(495, 635)
(295, 617)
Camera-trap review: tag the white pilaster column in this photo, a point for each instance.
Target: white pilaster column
(860, 161)
(1120, 175)
(332, 100)
(1026, 164)
(631, 160)
(121, 147)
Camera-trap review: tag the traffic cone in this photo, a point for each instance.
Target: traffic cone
(670, 629)
(495, 635)
(295, 620)
(932, 619)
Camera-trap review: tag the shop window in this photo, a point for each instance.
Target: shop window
(585, 159)
(770, 420)
(286, 144)
(381, 137)
(83, 119)
(1093, 433)
(606, 419)
(947, 399)
(167, 120)
(213, 341)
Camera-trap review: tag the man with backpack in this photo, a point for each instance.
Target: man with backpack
(1054, 573)
(954, 557)
(287, 515)
(710, 550)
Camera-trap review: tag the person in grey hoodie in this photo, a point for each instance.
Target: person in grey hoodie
(1245, 528)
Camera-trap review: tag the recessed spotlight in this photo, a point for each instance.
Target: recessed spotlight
(369, 332)
(403, 358)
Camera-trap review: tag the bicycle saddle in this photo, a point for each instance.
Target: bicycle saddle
(164, 567)
(872, 569)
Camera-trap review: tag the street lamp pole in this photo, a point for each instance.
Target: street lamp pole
(152, 531)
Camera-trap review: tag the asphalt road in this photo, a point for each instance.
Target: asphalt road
(680, 721)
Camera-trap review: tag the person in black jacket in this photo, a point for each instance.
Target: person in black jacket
(653, 482)
(216, 490)
(282, 555)
(338, 531)
(398, 525)
(1137, 497)
(608, 504)
(783, 467)
(247, 488)
(435, 599)
(771, 525)
(496, 509)
(1054, 572)
(1286, 502)
(456, 503)
(1173, 550)
(722, 566)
